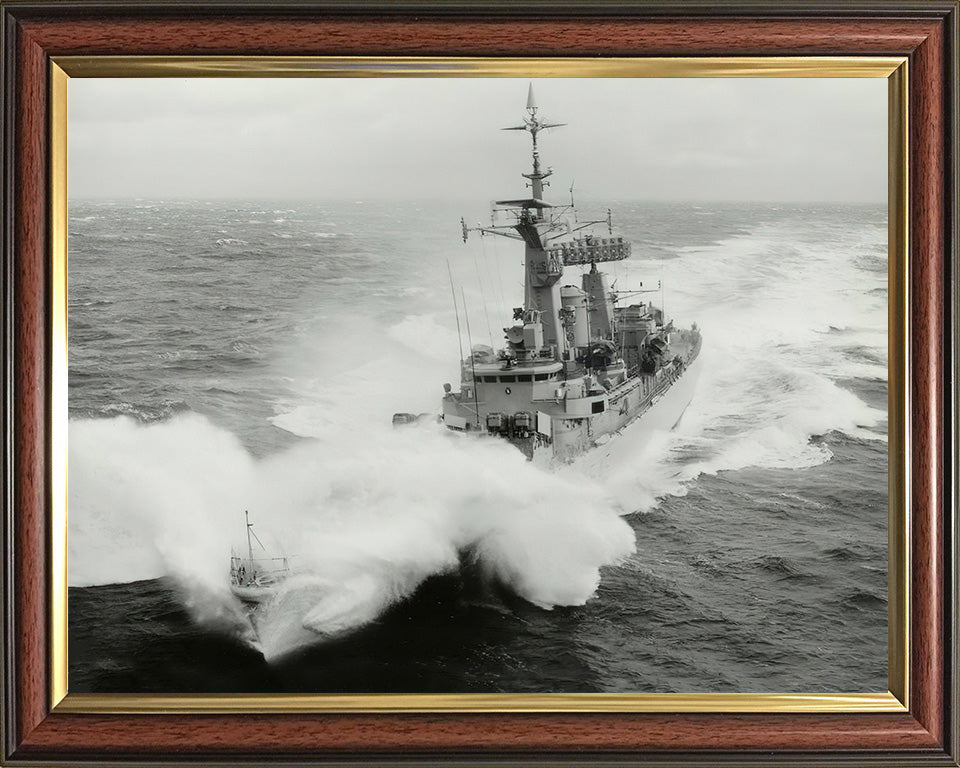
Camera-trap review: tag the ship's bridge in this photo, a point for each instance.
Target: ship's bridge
(492, 388)
(590, 250)
(496, 373)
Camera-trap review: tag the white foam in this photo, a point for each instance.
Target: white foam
(368, 516)
(780, 317)
(370, 511)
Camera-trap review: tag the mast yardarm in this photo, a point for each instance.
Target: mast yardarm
(543, 226)
(534, 125)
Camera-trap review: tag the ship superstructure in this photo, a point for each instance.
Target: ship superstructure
(576, 366)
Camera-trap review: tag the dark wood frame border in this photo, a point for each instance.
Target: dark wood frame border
(925, 32)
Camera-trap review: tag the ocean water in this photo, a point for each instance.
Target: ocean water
(231, 356)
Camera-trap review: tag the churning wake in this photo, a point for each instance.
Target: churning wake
(367, 513)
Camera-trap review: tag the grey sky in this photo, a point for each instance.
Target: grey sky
(366, 138)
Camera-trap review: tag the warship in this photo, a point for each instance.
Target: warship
(577, 366)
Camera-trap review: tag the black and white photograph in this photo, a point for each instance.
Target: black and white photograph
(477, 385)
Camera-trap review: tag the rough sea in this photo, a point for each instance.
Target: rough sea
(232, 356)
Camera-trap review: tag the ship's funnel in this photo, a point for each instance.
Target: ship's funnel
(531, 101)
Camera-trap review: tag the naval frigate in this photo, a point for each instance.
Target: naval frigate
(577, 366)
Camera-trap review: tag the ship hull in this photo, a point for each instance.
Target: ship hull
(252, 594)
(562, 428)
(663, 412)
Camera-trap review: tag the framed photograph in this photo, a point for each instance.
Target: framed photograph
(567, 383)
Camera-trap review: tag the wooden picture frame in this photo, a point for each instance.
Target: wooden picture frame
(39, 729)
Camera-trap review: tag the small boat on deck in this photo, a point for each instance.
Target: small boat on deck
(255, 580)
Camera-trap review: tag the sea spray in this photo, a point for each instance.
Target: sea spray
(765, 411)
(773, 422)
(364, 517)
(138, 493)
(794, 298)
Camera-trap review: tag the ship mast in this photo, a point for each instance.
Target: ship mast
(534, 125)
(246, 515)
(250, 534)
(550, 245)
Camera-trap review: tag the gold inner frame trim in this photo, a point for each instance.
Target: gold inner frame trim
(894, 69)
(122, 703)
(431, 66)
(58, 386)
(898, 388)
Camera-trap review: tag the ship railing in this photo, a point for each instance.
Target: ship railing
(260, 564)
(582, 252)
(663, 380)
(542, 356)
(279, 559)
(625, 388)
(553, 266)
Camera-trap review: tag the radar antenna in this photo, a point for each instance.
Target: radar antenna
(532, 222)
(534, 125)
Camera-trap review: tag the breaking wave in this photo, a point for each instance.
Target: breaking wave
(366, 518)
(367, 513)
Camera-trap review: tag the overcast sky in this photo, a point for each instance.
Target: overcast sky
(416, 138)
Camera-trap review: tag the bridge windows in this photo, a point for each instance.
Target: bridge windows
(523, 378)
